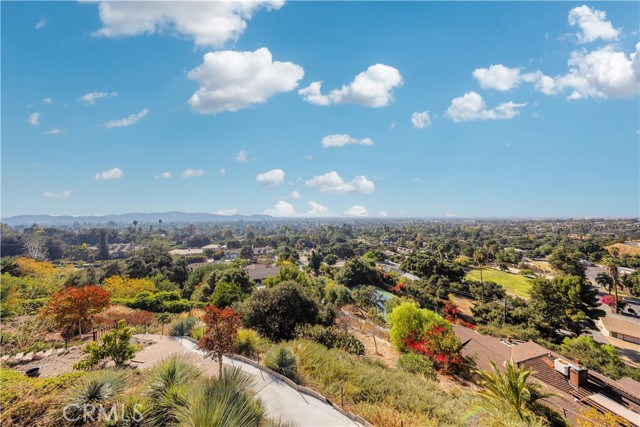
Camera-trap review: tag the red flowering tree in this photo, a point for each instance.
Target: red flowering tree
(440, 345)
(73, 306)
(221, 330)
(452, 314)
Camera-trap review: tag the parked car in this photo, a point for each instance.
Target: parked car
(631, 300)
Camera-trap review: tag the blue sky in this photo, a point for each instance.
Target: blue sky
(424, 109)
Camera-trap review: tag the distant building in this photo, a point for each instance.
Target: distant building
(259, 272)
(263, 250)
(620, 327)
(186, 252)
(577, 387)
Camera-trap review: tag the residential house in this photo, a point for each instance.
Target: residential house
(577, 387)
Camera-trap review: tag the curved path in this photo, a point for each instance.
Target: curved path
(280, 400)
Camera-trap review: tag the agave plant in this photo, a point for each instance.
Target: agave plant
(168, 389)
(223, 402)
(282, 359)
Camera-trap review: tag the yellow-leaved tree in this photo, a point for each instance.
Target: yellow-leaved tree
(126, 287)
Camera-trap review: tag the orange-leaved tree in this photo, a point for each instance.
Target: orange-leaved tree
(74, 305)
(221, 330)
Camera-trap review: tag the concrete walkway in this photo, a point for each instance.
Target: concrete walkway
(282, 401)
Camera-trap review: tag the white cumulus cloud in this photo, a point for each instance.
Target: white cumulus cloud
(54, 131)
(207, 23)
(602, 73)
(383, 213)
(312, 94)
(163, 175)
(593, 24)
(127, 121)
(420, 120)
(222, 172)
(91, 97)
(471, 106)
(192, 173)
(34, 119)
(316, 209)
(272, 177)
(231, 80)
(497, 77)
(331, 182)
(371, 88)
(281, 208)
(343, 139)
(356, 210)
(114, 173)
(295, 195)
(53, 195)
(47, 100)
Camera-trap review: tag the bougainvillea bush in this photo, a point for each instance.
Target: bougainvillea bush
(421, 331)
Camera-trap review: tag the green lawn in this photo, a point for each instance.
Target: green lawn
(513, 283)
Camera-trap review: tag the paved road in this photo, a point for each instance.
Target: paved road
(282, 401)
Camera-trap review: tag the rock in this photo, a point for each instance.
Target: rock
(12, 361)
(19, 356)
(39, 355)
(27, 357)
(48, 352)
(61, 351)
(4, 358)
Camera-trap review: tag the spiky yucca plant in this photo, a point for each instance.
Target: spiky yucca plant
(168, 387)
(99, 387)
(282, 359)
(223, 402)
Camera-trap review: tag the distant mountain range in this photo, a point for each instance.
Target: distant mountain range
(128, 218)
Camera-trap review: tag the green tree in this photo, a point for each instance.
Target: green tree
(331, 259)
(103, 245)
(315, 261)
(115, 345)
(567, 262)
(359, 271)
(275, 312)
(604, 280)
(225, 294)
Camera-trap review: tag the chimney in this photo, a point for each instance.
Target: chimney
(578, 376)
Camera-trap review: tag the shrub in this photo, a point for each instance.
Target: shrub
(282, 359)
(101, 387)
(115, 345)
(32, 401)
(197, 333)
(417, 364)
(331, 338)
(247, 343)
(167, 388)
(182, 327)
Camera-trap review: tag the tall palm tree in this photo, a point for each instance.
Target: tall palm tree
(604, 280)
(611, 266)
(509, 392)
